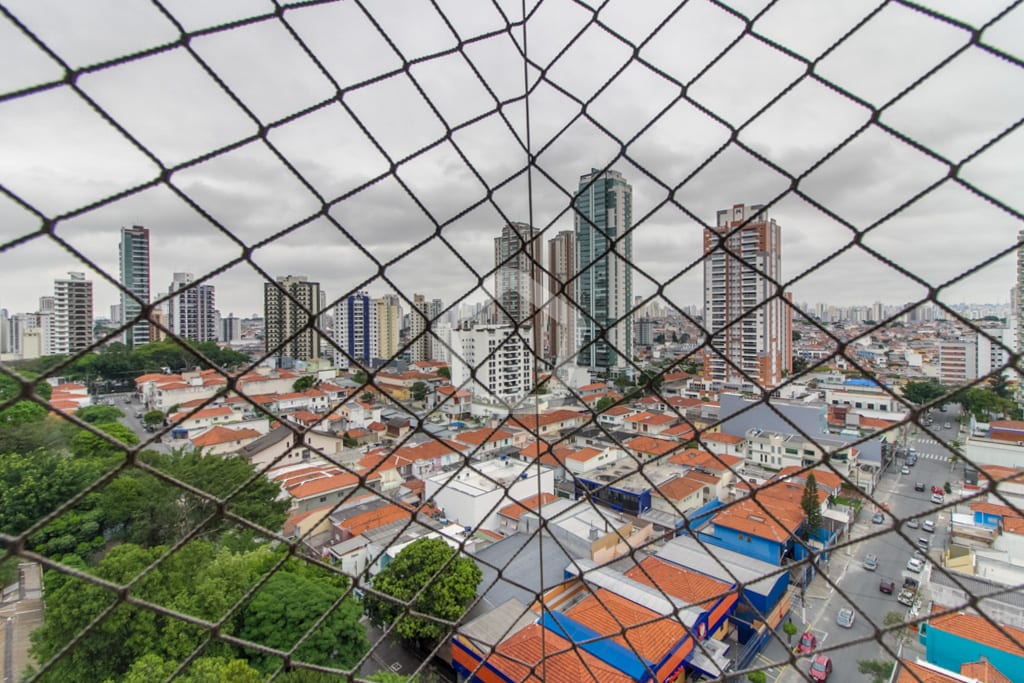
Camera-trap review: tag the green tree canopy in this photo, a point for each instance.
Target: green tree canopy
(924, 392)
(810, 505)
(153, 418)
(419, 391)
(879, 670)
(445, 372)
(448, 589)
(85, 444)
(604, 403)
(651, 380)
(303, 383)
(99, 413)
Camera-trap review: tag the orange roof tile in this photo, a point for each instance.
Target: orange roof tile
(217, 435)
(534, 422)
(912, 672)
(583, 454)
(374, 519)
(784, 492)
(651, 446)
(594, 387)
(335, 482)
(694, 457)
(999, 472)
(877, 423)
(69, 386)
(721, 438)
(983, 672)
(750, 518)
(679, 488)
(483, 435)
(645, 632)
(516, 510)
(821, 475)
(1013, 525)
(680, 432)
(985, 507)
(202, 414)
(651, 418)
(519, 657)
(615, 411)
(978, 629)
(690, 586)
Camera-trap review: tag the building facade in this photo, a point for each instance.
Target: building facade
(561, 311)
(291, 309)
(746, 315)
(518, 277)
(133, 258)
(495, 360)
(389, 326)
(355, 330)
(420, 323)
(603, 208)
(958, 362)
(191, 309)
(72, 328)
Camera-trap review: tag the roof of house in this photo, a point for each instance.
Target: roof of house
(650, 418)
(1000, 472)
(218, 435)
(987, 508)
(374, 519)
(721, 438)
(680, 582)
(478, 437)
(915, 672)
(750, 518)
(202, 414)
(615, 411)
(641, 630)
(324, 484)
(1008, 425)
(877, 422)
(650, 445)
(535, 422)
(680, 432)
(303, 416)
(532, 504)
(784, 492)
(519, 656)
(822, 475)
(679, 488)
(983, 671)
(978, 629)
(583, 454)
(694, 457)
(1013, 525)
(596, 386)
(555, 457)
(449, 390)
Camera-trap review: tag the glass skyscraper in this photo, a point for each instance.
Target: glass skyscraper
(133, 254)
(603, 207)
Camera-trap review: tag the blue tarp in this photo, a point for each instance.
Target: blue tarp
(602, 647)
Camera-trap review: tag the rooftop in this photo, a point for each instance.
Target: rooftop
(978, 629)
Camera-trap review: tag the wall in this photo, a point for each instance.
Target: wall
(950, 651)
(758, 548)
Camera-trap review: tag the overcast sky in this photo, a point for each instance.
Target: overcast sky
(58, 155)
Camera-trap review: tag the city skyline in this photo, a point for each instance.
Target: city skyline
(55, 136)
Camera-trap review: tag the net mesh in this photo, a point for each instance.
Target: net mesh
(396, 142)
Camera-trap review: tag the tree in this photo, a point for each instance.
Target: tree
(799, 365)
(303, 383)
(288, 605)
(445, 372)
(97, 414)
(448, 582)
(947, 488)
(880, 671)
(153, 418)
(367, 397)
(789, 628)
(604, 403)
(924, 392)
(622, 382)
(419, 391)
(810, 505)
(659, 339)
(757, 677)
(895, 619)
(85, 444)
(1000, 386)
(797, 336)
(359, 377)
(651, 380)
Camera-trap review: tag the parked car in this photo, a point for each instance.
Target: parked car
(923, 543)
(915, 564)
(929, 526)
(886, 585)
(913, 523)
(845, 617)
(937, 498)
(911, 460)
(919, 486)
(909, 592)
(870, 562)
(939, 490)
(904, 470)
(821, 667)
(808, 643)
(878, 518)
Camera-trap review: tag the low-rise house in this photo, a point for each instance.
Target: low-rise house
(283, 446)
(586, 460)
(203, 419)
(724, 444)
(224, 440)
(508, 516)
(316, 486)
(646, 448)
(615, 417)
(453, 402)
(746, 527)
(647, 422)
(957, 638)
(481, 443)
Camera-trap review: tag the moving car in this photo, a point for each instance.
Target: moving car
(923, 543)
(911, 460)
(915, 564)
(929, 526)
(808, 643)
(878, 518)
(845, 617)
(870, 562)
(939, 490)
(947, 426)
(913, 523)
(919, 486)
(886, 585)
(904, 470)
(821, 667)
(937, 498)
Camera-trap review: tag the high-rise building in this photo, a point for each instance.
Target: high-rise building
(420, 321)
(517, 275)
(389, 326)
(603, 208)
(6, 344)
(291, 308)
(355, 330)
(72, 329)
(133, 256)
(746, 316)
(230, 329)
(191, 309)
(495, 360)
(561, 311)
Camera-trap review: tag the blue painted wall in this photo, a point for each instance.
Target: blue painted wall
(751, 546)
(950, 651)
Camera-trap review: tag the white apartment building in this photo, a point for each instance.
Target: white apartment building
(495, 360)
(958, 362)
(191, 309)
(71, 329)
(355, 330)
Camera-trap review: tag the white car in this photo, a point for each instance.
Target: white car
(915, 564)
(929, 526)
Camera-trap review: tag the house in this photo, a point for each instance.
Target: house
(508, 516)
(615, 417)
(981, 671)
(203, 419)
(957, 638)
(647, 422)
(747, 528)
(314, 486)
(646, 448)
(224, 440)
(428, 457)
(282, 446)
(397, 427)
(724, 444)
(585, 460)
(484, 441)
(680, 495)
(452, 401)
(551, 423)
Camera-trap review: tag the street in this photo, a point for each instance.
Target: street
(859, 587)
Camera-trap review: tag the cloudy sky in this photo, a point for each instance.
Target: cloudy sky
(396, 119)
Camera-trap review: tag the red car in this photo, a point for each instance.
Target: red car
(821, 667)
(939, 490)
(887, 586)
(808, 643)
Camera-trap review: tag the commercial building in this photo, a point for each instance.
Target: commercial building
(958, 362)
(389, 326)
(71, 329)
(746, 315)
(420, 322)
(561, 311)
(191, 309)
(355, 330)
(603, 208)
(291, 309)
(518, 283)
(133, 258)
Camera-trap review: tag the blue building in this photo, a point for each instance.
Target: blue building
(958, 638)
(355, 330)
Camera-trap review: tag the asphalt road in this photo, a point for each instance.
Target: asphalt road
(857, 586)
